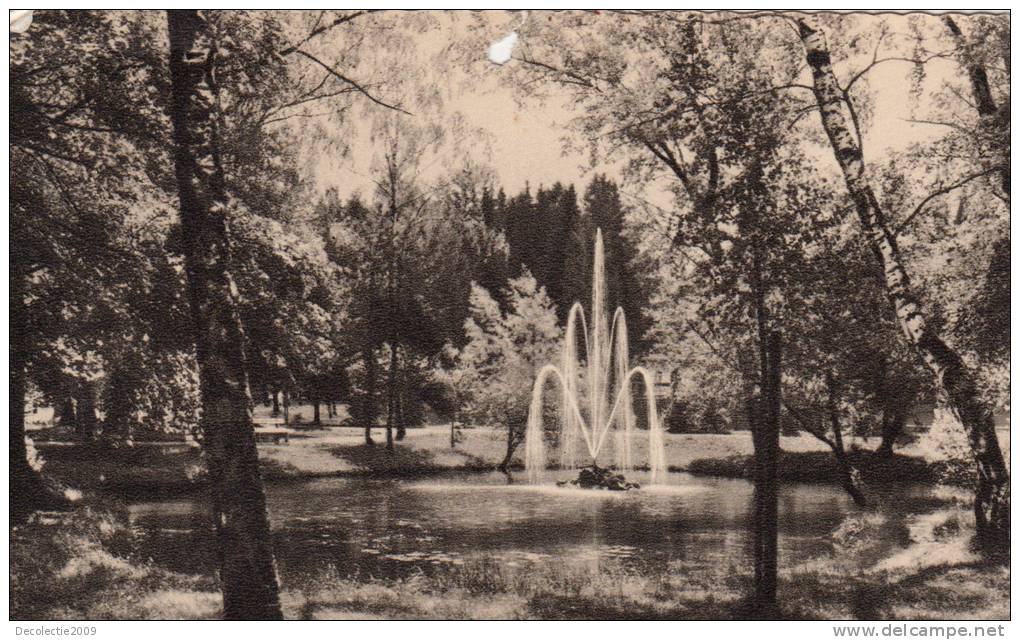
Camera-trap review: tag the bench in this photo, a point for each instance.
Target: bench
(272, 436)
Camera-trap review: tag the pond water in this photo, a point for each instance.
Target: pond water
(392, 528)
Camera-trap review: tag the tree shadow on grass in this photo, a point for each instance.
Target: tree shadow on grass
(947, 591)
(404, 461)
(561, 607)
(952, 590)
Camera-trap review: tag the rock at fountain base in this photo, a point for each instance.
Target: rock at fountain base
(597, 478)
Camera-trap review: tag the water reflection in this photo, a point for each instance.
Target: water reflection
(393, 528)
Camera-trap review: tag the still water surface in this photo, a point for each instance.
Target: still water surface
(392, 528)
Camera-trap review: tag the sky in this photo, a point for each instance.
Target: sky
(524, 136)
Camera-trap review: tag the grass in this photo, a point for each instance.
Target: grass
(342, 451)
(153, 472)
(427, 451)
(551, 591)
(407, 461)
(79, 565)
(135, 471)
(820, 466)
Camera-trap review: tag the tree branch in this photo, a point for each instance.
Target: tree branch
(661, 151)
(796, 413)
(320, 30)
(350, 82)
(28, 146)
(984, 102)
(940, 192)
(569, 77)
(980, 87)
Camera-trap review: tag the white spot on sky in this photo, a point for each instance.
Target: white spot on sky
(501, 50)
(21, 20)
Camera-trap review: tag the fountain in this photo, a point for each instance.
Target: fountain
(607, 366)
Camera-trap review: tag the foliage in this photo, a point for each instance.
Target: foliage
(504, 350)
(551, 235)
(759, 231)
(98, 245)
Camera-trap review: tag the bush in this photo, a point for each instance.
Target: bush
(821, 466)
(683, 419)
(946, 444)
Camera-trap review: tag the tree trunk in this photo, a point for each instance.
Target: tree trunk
(391, 397)
(286, 407)
(369, 412)
(27, 490)
(316, 417)
(984, 102)
(87, 420)
(893, 422)
(68, 414)
(766, 484)
(953, 380)
(119, 409)
(25, 481)
(453, 430)
(850, 477)
(401, 419)
(765, 426)
(247, 568)
(276, 404)
(512, 440)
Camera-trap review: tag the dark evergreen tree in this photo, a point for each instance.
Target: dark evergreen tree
(626, 285)
(551, 237)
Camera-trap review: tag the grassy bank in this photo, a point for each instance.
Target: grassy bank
(340, 451)
(343, 452)
(79, 566)
(821, 466)
(126, 470)
(427, 451)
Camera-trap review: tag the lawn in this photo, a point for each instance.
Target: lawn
(337, 450)
(75, 566)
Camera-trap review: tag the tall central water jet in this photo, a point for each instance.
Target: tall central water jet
(606, 368)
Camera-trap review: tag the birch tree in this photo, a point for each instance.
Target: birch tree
(953, 379)
(247, 568)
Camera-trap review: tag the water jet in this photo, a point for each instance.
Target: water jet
(606, 369)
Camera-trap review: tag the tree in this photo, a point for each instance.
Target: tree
(292, 306)
(680, 116)
(551, 236)
(626, 287)
(765, 431)
(413, 253)
(993, 119)
(83, 114)
(496, 368)
(954, 381)
(247, 567)
(456, 384)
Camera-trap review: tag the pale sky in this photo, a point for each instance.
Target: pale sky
(525, 137)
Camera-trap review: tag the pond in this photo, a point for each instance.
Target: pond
(393, 528)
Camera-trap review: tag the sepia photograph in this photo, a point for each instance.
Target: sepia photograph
(510, 315)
